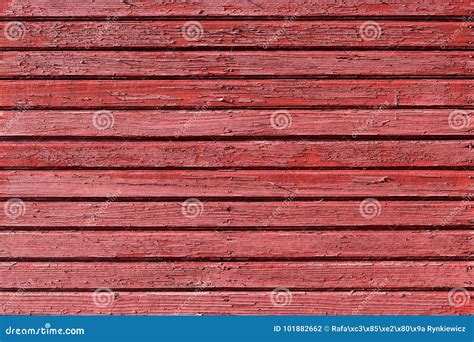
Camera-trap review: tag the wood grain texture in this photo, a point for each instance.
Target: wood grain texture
(236, 245)
(234, 303)
(378, 122)
(234, 93)
(235, 64)
(230, 8)
(237, 154)
(256, 215)
(230, 275)
(194, 155)
(236, 184)
(249, 34)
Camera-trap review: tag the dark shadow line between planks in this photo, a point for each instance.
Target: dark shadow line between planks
(234, 77)
(230, 230)
(93, 18)
(239, 199)
(401, 168)
(193, 108)
(236, 289)
(119, 260)
(248, 48)
(366, 228)
(240, 138)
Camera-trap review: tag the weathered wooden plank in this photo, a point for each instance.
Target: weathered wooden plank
(250, 34)
(143, 245)
(205, 302)
(379, 121)
(259, 215)
(231, 275)
(236, 184)
(259, 93)
(234, 93)
(38, 257)
(235, 64)
(213, 8)
(236, 154)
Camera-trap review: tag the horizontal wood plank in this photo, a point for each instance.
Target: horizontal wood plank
(235, 63)
(380, 122)
(238, 123)
(244, 34)
(142, 245)
(236, 154)
(230, 275)
(212, 8)
(257, 215)
(234, 303)
(234, 93)
(114, 177)
(236, 184)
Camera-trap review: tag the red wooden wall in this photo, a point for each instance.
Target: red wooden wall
(236, 157)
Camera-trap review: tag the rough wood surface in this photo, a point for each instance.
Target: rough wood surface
(236, 184)
(143, 245)
(235, 63)
(235, 93)
(379, 122)
(202, 156)
(250, 34)
(204, 302)
(230, 275)
(230, 8)
(237, 154)
(284, 213)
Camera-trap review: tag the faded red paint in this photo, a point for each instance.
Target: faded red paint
(255, 215)
(155, 245)
(221, 123)
(299, 153)
(236, 63)
(321, 161)
(237, 184)
(203, 8)
(250, 34)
